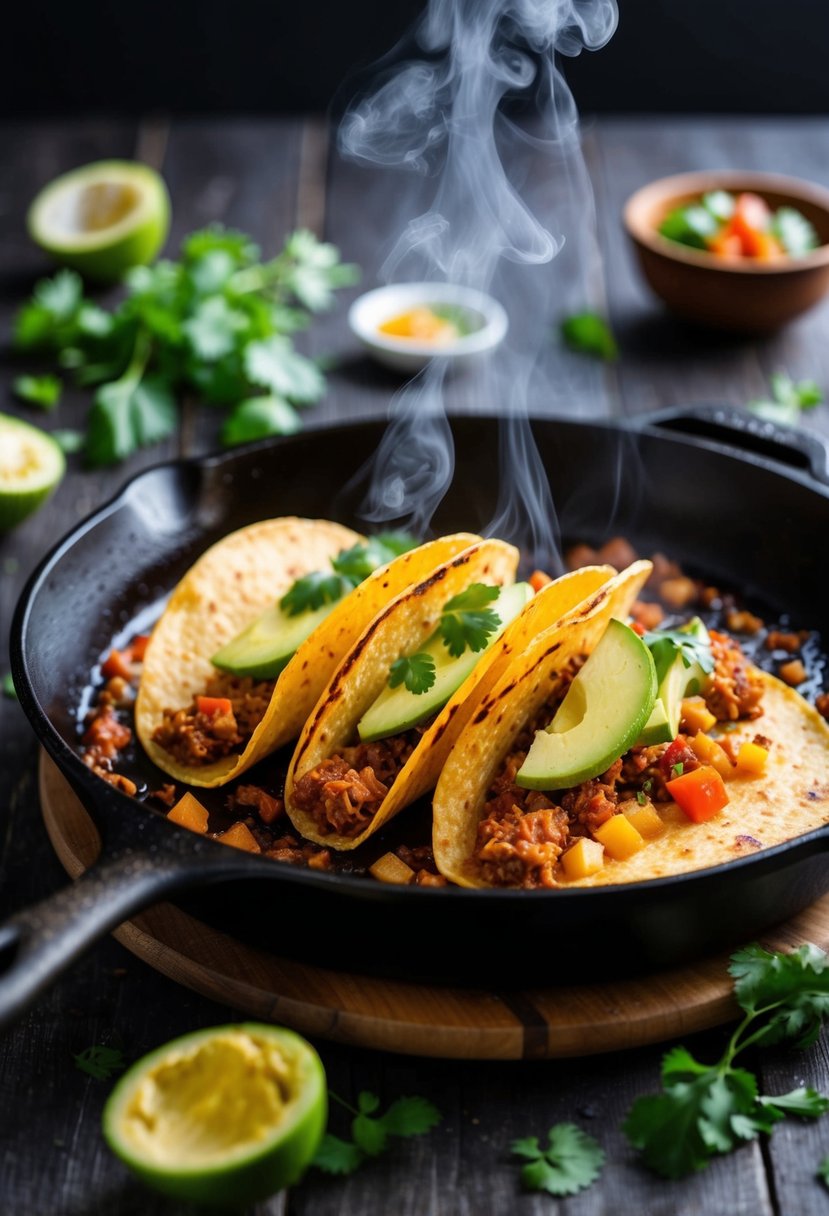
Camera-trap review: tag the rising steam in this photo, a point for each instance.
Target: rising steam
(511, 193)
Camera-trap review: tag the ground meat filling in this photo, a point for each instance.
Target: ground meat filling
(194, 738)
(524, 832)
(343, 793)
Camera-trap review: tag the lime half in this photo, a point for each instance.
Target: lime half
(224, 1116)
(31, 465)
(103, 218)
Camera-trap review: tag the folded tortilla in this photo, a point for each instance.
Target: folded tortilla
(400, 630)
(230, 585)
(789, 799)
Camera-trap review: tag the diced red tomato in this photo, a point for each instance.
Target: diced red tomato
(117, 663)
(726, 244)
(539, 579)
(213, 705)
(677, 753)
(701, 794)
(638, 628)
(138, 647)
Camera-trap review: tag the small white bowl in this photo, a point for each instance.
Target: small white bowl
(407, 355)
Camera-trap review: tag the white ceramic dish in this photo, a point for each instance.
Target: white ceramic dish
(409, 356)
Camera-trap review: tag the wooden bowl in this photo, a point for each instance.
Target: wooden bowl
(742, 295)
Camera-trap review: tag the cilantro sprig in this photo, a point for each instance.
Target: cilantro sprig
(788, 400)
(100, 1062)
(215, 325)
(705, 1110)
(587, 333)
(349, 568)
(571, 1161)
(370, 1132)
(417, 672)
(691, 643)
(466, 623)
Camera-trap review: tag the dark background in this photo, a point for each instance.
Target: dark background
(244, 56)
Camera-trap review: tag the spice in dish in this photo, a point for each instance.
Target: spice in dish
(437, 324)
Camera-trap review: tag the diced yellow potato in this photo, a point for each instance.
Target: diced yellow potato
(710, 752)
(696, 715)
(189, 813)
(391, 868)
(585, 857)
(619, 837)
(751, 758)
(239, 836)
(645, 819)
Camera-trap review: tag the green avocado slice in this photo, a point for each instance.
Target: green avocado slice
(601, 716)
(267, 645)
(677, 679)
(396, 709)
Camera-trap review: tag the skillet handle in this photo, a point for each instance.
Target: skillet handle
(39, 943)
(788, 445)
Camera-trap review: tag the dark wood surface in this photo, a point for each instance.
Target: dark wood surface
(267, 176)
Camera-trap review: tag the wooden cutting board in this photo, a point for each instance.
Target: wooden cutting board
(531, 1023)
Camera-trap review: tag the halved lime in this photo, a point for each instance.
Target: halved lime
(31, 465)
(103, 218)
(224, 1116)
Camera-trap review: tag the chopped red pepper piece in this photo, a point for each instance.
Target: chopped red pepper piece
(213, 705)
(138, 647)
(701, 794)
(638, 628)
(117, 663)
(539, 579)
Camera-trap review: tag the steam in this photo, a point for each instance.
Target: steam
(511, 193)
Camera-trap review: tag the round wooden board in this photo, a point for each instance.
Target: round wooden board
(416, 1019)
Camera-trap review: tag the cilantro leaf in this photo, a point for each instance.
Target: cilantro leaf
(465, 623)
(362, 559)
(793, 988)
(259, 417)
(43, 391)
(571, 1161)
(100, 1062)
(371, 1132)
(803, 1101)
(274, 364)
(416, 671)
(312, 591)
(411, 1117)
(336, 1156)
(213, 328)
(126, 415)
(589, 334)
(788, 399)
(691, 643)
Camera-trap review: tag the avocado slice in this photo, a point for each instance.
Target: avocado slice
(396, 709)
(606, 707)
(270, 642)
(677, 679)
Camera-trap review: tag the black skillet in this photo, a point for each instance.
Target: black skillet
(738, 501)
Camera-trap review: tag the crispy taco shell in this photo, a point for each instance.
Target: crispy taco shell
(518, 694)
(400, 630)
(228, 587)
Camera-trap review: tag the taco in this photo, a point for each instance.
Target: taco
(252, 634)
(390, 715)
(603, 757)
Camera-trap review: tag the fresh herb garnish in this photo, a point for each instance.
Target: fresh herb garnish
(589, 334)
(100, 1062)
(794, 232)
(350, 566)
(677, 769)
(705, 1109)
(466, 623)
(416, 671)
(571, 1161)
(641, 797)
(42, 391)
(216, 325)
(463, 320)
(789, 399)
(693, 647)
(370, 1132)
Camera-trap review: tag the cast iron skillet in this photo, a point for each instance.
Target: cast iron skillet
(740, 501)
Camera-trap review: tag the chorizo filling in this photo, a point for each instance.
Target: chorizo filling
(217, 723)
(343, 793)
(523, 832)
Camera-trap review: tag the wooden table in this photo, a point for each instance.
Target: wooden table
(266, 177)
